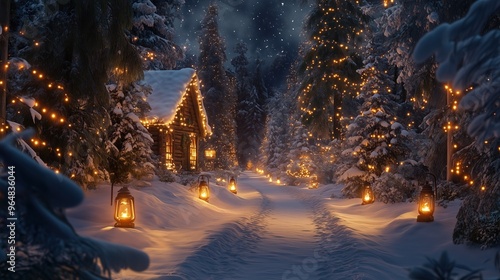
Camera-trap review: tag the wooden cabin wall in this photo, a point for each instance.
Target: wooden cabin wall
(185, 123)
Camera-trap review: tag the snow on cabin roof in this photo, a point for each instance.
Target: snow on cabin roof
(168, 88)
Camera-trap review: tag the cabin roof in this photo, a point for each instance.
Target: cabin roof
(168, 89)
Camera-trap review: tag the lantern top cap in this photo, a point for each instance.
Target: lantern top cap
(123, 189)
(427, 188)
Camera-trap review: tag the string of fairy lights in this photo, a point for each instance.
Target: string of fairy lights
(460, 169)
(41, 111)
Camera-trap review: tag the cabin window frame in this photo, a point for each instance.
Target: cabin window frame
(169, 151)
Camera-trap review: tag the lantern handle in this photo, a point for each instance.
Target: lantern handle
(435, 184)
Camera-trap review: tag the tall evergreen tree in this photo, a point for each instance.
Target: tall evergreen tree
(250, 114)
(402, 25)
(263, 93)
(275, 143)
(328, 68)
(240, 64)
(218, 90)
(79, 59)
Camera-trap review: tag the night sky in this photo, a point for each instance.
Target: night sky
(269, 28)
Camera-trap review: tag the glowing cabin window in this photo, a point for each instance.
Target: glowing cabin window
(192, 153)
(169, 163)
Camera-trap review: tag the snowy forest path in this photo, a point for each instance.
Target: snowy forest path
(343, 253)
(291, 235)
(288, 243)
(270, 243)
(222, 255)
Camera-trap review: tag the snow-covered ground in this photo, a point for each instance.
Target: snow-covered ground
(268, 231)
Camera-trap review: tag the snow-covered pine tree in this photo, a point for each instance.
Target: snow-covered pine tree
(129, 142)
(47, 246)
(376, 141)
(374, 144)
(218, 91)
(300, 157)
(153, 33)
(275, 145)
(402, 25)
(328, 68)
(468, 58)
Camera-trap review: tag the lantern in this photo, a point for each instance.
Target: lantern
(426, 202)
(124, 208)
(367, 196)
(203, 188)
(232, 185)
(210, 154)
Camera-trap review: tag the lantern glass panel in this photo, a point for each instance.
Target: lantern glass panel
(124, 210)
(368, 196)
(204, 192)
(426, 204)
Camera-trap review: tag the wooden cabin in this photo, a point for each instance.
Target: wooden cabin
(177, 119)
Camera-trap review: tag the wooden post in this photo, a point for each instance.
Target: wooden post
(4, 57)
(112, 193)
(449, 142)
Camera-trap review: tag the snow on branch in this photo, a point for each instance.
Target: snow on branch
(40, 196)
(469, 59)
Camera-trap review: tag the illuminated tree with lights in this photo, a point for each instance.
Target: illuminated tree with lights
(376, 141)
(153, 33)
(219, 91)
(328, 68)
(301, 158)
(227, 139)
(401, 25)
(69, 86)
